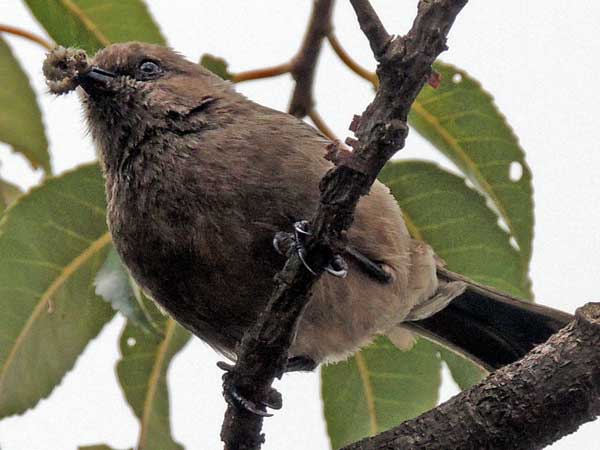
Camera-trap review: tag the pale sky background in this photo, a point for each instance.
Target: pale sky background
(539, 58)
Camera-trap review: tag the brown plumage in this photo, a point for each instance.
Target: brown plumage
(198, 181)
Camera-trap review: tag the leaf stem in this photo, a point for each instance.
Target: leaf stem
(48, 45)
(258, 74)
(321, 125)
(350, 62)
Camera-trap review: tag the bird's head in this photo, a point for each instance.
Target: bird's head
(132, 89)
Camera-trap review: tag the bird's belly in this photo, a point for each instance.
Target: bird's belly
(340, 319)
(218, 301)
(204, 290)
(215, 282)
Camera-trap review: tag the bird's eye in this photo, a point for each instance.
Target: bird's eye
(149, 69)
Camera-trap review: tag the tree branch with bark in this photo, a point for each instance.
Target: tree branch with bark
(404, 67)
(526, 405)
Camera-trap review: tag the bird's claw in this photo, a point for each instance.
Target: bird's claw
(226, 367)
(301, 230)
(301, 251)
(283, 242)
(237, 400)
(278, 239)
(302, 227)
(234, 398)
(338, 267)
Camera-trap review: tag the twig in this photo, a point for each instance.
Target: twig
(302, 66)
(371, 26)
(304, 63)
(27, 35)
(350, 62)
(404, 66)
(321, 125)
(524, 406)
(258, 74)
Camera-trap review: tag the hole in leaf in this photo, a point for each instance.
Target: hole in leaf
(515, 171)
(456, 78)
(131, 342)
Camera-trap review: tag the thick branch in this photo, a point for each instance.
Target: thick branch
(526, 405)
(305, 62)
(403, 69)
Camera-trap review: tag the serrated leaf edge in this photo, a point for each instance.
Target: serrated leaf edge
(452, 142)
(419, 109)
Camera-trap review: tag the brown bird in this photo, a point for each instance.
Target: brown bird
(199, 179)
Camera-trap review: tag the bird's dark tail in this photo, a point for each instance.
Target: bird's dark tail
(489, 327)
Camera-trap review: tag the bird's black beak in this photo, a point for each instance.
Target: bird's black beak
(96, 80)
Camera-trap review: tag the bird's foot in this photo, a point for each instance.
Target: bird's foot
(285, 242)
(235, 398)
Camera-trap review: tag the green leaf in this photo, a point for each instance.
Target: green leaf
(378, 388)
(52, 242)
(93, 24)
(441, 210)
(115, 285)
(462, 121)
(142, 372)
(464, 372)
(21, 124)
(382, 387)
(8, 194)
(216, 65)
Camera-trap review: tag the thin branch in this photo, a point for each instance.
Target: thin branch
(404, 67)
(524, 406)
(321, 125)
(350, 62)
(27, 35)
(371, 26)
(258, 74)
(304, 63)
(302, 66)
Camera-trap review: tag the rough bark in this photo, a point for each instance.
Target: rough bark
(527, 405)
